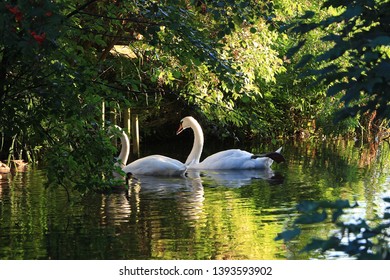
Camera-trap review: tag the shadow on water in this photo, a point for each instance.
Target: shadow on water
(205, 215)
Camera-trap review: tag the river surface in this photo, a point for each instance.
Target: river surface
(205, 216)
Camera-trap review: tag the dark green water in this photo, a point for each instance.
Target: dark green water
(210, 215)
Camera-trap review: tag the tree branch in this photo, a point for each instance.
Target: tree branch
(134, 19)
(80, 8)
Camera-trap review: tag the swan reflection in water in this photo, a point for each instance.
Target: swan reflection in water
(187, 193)
(5, 182)
(143, 193)
(240, 178)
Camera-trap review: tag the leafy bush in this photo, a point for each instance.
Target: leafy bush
(358, 64)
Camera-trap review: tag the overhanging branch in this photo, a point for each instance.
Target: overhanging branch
(80, 8)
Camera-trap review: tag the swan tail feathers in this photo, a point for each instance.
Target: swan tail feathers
(275, 156)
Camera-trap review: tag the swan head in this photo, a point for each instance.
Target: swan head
(114, 130)
(185, 123)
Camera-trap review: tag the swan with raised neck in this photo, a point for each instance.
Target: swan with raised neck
(159, 165)
(197, 147)
(125, 149)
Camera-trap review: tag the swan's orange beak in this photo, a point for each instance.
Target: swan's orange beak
(180, 129)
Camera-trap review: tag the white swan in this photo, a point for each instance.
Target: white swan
(233, 159)
(158, 165)
(197, 147)
(125, 148)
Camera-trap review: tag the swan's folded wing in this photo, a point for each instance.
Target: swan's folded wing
(235, 159)
(228, 159)
(156, 165)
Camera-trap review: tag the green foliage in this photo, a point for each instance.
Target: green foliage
(326, 124)
(357, 64)
(29, 33)
(79, 159)
(224, 61)
(296, 104)
(46, 102)
(357, 238)
(58, 65)
(351, 65)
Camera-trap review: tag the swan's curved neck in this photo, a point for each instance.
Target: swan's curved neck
(125, 150)
(197, 147)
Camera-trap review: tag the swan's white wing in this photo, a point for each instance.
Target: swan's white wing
(229, 159)
(233, 159)
(155, 165)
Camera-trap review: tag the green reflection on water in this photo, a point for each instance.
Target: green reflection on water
(211, 215)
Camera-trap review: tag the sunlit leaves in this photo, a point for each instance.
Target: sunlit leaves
(359, 54)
